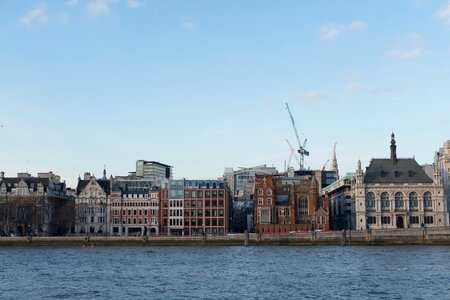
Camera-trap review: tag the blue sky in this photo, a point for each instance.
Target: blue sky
(201, 85)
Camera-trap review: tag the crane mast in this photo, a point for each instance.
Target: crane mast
(301, 147)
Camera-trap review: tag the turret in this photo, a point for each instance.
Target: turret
(393, 150)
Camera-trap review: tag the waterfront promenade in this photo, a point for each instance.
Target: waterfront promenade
(410, 236)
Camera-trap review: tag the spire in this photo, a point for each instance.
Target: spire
(358, 169)
(104, 172)
(393, 149)
(335, 164)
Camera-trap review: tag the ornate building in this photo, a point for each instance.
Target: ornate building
(35, 205)
(284, 204)
(397, 193)
(91, 204)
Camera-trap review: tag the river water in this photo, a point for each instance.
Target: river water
(406, 272)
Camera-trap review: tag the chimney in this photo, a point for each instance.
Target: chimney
(2, 175)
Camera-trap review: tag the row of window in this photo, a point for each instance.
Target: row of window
(370, 203)
(134, 204)
(261, 201)
(398, 196)
(126, 221)
(199, 194)
(134, 212)
(412, 220)
(261, 192)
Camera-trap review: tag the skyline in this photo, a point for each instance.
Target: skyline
(201, 86)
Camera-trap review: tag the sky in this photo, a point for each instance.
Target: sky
(202, 85)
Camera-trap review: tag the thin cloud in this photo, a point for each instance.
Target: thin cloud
(353, 87)
(444, 13)
(357, 25)
(329, 32)
(411, 47)
(134, 4)
(311, 98)
(188, 25)
(406, 54)
(97, 8)
(35, 16)
(71, 3)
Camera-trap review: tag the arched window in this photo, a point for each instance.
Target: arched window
(427, 199)
(413, 200)
(398, 197)
(370, 200)
(384, 199)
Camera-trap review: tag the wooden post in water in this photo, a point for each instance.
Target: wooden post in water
(343, 238)
(350, 237)
(246, 238)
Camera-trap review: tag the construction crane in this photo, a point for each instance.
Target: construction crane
(301, 147)
(325, 165)
(292, 154)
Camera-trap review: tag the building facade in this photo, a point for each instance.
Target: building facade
(152, 170)
(397, 193)
(135, 207)
(341, 204)
(35, 205)
(241, 184)
(91, 205)
(284, 204)
(442, 159)
(195, 208)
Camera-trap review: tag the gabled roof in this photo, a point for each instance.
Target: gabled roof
(32, 182)
(104, 184)
(403, 170)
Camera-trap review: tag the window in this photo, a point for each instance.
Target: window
(385, 220)
(398, 198)
(260, 201)
(269, 192)
(370, 200)
(429, 220)
(414, 220)
(413, 200)
(384, 199)
(269, 201)
(427, 200)
(371, 220)
(260, 192)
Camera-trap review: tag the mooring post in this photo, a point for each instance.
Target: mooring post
(343, 237)
(350, 237)
(246, 238)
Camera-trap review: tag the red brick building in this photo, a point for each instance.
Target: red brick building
(283, 204)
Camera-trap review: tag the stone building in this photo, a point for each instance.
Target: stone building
(397, 193)
(35, 205)
(284, 204)
(442, 159)
(91, 204)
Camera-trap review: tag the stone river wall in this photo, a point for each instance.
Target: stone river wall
(410, 236)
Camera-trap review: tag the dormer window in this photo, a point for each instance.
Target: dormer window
(410, 173)
(383, 173)
(397, 174)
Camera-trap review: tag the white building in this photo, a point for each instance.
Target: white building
(91, 204)
(397, 193)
